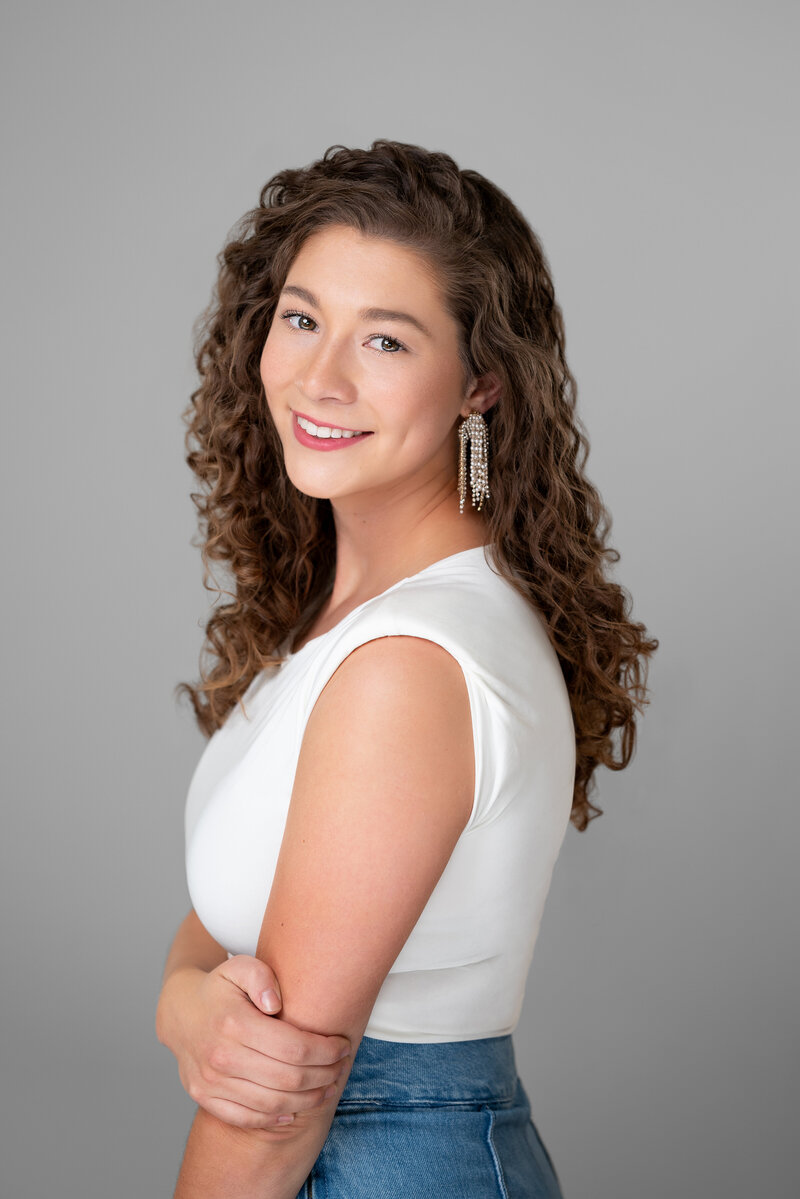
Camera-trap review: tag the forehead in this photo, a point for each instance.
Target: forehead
(349, 262)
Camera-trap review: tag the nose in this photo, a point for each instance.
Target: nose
(325, 373)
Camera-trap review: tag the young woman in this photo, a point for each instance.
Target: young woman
(421, 666)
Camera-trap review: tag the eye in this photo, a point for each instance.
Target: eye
(304, 321)
(388, 345)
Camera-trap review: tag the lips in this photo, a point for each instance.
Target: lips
(325, 444)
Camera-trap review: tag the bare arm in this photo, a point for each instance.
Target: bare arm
(383, 789)
(193, 951)
(235, 1061)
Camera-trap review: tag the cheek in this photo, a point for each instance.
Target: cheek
(426, 412)
(438, 395)
(274, 364)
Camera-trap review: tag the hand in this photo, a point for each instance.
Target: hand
(234, 1059)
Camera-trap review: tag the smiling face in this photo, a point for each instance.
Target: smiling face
(361, 342)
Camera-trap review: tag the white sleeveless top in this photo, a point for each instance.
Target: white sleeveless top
(461, 974)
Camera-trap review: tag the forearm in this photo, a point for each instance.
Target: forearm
(193, 945)
(193, 949)
(223, 1162)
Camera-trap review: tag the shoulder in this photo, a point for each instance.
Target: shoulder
(399, 687)
(470, 609)
(393, 666)
(392, 725)
(462, 607)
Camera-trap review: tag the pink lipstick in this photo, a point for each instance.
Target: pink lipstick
(324, 443)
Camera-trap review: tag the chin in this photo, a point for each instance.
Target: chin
(308, 483)
(312, 492)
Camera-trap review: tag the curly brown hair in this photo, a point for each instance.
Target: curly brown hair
(546, 522)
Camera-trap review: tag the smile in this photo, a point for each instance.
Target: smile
(325, 437)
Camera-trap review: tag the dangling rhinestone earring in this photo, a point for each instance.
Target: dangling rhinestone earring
(475, 430)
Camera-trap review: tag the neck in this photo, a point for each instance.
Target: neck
(377, 544)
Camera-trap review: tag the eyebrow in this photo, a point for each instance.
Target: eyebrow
(366, 314)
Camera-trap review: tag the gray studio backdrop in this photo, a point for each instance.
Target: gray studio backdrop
(649, 146)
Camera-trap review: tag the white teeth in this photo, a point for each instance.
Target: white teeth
(325, 430)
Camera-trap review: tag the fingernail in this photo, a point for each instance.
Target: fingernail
(330, 1091)
(343, 1055)
(270, 1000)
(285, 1119)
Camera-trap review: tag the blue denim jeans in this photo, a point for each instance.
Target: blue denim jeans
(433, 1121)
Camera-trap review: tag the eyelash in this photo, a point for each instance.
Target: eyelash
(383, 336)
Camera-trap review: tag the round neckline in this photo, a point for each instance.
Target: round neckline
(431, 565)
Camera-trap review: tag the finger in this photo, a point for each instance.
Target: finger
(269, 1103)
(242, 1062)
(284, 1043)
(258, 981)
(244, 1117)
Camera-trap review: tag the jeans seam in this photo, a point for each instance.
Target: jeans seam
(376, 1105)
(476, 1101)
(498, 1169)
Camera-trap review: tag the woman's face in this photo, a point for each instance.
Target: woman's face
(361, 342)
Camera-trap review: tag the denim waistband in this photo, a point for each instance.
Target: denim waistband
(398, 1072)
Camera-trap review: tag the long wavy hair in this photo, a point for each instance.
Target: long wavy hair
(546, 522)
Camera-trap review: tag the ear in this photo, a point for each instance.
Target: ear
(483, 394)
